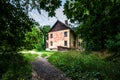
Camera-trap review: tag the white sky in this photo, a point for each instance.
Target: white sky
(43, 18)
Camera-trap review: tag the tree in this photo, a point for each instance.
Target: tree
(48, 5)
(44, 33)
(14, 22)
(100, 20)
(32, 38)
(36, 38)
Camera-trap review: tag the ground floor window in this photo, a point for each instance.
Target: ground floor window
(65, 43)
(51, 43)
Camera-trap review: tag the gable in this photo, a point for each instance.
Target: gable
(58, 26)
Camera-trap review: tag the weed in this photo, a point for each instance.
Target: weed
(44, 55)
(80, 66)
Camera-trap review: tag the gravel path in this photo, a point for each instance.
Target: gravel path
(43, 70)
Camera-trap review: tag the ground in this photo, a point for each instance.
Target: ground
(43, 70)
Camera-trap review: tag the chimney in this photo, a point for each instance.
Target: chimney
(66, 22)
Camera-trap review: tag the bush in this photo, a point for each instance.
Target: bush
(113, 45)
(85, 66)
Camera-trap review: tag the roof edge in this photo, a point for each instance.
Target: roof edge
(61, 23)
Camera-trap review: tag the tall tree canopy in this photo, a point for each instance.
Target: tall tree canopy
(32, 38)
(14, 22)
(100, 22)
(36, 38)
(48, 5)
(17, 30)
(44, 33)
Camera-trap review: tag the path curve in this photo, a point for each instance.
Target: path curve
(43, 70)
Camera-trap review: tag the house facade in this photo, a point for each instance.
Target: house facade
(61, 37)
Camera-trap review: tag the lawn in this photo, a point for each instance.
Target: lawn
(85, 66)
(42, 53)
(46, 53)
(30, 57)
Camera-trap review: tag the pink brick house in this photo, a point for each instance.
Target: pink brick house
(61, 37)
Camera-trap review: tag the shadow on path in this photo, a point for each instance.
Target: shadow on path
(43, 70)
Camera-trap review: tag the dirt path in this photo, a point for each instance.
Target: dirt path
(43, 70)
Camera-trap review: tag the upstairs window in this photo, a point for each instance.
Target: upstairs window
(51, 35)
(65, 43)
(65, 34)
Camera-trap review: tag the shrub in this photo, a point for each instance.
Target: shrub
(113, 45)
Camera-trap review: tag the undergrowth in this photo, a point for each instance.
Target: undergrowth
(15, 66)
(82, 66)
(44, 55)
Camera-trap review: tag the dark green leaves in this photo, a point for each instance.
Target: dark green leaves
(100, 20)
(14, 23)
(48, 5)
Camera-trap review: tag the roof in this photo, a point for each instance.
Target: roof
(60, 26)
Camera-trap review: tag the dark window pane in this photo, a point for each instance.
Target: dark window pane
(51, 35)
(65, 34)
(65, 43)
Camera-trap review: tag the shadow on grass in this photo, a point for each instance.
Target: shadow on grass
(14, 66)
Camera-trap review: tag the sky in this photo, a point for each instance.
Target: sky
(43, 18)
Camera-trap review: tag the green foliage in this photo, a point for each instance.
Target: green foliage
(100, 21)
(81, 66)
(30, 57)
(44, 35)
(48, 5)
(15, 66)
(47, 53)
(32, 38)
(114, 44)
(14, 23)
(44, 55)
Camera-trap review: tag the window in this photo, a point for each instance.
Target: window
(65, 43)
(51, 35)
(51, 43)
(65, 34)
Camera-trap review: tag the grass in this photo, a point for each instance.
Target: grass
(30, 57)
(44, 55)
(47, 53)
(16, 66)
(82, 66)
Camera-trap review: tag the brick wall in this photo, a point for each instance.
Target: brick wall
(58, 38)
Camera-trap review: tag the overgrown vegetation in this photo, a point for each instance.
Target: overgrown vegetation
(30, 57)
(16, 66)
(83, 66)
(32, 38)
(44, 55)
(47, 53)
(36, 38)
(43, 37)
(15, 27)
(98, 23)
